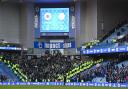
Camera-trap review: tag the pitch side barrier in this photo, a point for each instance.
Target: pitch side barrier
(67, 84)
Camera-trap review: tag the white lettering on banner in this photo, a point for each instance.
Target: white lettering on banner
(70, 45)
(118, 85)
(73, 22)
(40, 45)
(80, 84)
(94, 51)
(102, 84)
(51, 46)
(67, 45)
(98, 50)
(113, 50)
(110, 85)
(104, 50)
(28, 83)
(122, 49)
(54, 45)
(123, 85)
(36, 25)
(117, 49)
(101, 50)
(91, 51)
(71, 83)
(109, 50)
(64, 45)
(58, 45)
(127, 48)
(36, 22)
(17, 83)
(95, 84)
(86, 84)
(106, 85)
(83, 84)
(47, 45)
(87, 51)
(99, 84)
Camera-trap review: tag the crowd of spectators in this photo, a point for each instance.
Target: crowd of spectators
(123, 40)
(116, 74)
(114, 29)
(3, 78)
(53, 67)
(110, 71)
(50, 67)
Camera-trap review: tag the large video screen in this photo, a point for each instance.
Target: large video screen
(54, 19)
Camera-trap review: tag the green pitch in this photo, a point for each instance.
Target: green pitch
(55, 87)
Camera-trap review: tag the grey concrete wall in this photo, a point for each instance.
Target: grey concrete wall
(90, 20)
(9, 22)
(17, 23)
(27, 25)
(77, 30)
(110, 13)
(87, 27)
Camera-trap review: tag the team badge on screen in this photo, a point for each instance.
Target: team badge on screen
(61, 16)
(47, 16)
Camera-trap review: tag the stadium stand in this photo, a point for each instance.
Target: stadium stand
(15, 69)
(57, 67)
(115, 38)
(63, 44)
(51, 68)
(110, 73)
(3, 78)
(114, 69)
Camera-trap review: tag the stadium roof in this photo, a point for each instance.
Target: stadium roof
(40, 1)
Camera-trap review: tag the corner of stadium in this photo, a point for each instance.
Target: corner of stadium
(63, 44)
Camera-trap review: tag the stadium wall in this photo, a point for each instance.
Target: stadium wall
(88, 21)
(17, 23)
(110, 13)
(9, 22)
(19, 20)
(27, 24)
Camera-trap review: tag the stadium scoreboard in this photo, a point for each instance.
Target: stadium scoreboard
(54, 19)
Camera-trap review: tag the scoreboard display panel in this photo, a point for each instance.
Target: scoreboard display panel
(54, 20)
